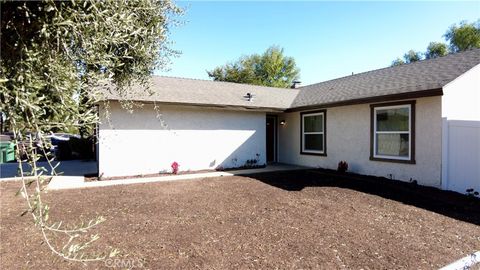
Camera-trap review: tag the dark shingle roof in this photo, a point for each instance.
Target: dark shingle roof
(419, 76)
(209, 93)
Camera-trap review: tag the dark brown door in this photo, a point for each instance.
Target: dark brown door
(271, 138)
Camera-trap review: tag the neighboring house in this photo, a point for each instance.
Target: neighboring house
(389, 122)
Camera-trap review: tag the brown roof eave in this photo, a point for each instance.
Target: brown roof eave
(376, 99)
(211, 106)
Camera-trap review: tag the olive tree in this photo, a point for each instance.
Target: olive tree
(56, 59)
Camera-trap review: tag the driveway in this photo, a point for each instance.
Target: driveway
(68, 167)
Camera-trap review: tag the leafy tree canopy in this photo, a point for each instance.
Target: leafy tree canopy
(436, 49)
(55, 54)
(397, 62)
(272, 68)
(55, 58)
(410, 57)
(460, 38)
(463, 37)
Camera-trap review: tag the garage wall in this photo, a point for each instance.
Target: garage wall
(196, 138)
(348, 138)
(461, 132)
(461, 97)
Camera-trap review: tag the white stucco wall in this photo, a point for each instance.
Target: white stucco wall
(461, 97)
(348, 138)
(196, 138)
(461, 140)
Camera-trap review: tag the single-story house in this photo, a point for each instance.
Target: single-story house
(399, 122)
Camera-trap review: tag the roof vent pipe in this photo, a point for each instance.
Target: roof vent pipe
(295, 84)
(248, 96)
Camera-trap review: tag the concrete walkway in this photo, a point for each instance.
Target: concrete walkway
(8, 171)
(71, 182)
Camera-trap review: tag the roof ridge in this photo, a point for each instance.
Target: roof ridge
(394, 67)
(182, 78)
(224, 82)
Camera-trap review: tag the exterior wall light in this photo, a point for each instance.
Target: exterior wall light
(282, 122)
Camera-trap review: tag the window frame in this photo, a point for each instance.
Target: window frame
(304, 151)
(411, 131)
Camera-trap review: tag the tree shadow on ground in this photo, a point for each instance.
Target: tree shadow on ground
(447, 203)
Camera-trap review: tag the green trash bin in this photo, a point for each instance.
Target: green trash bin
(7, 152)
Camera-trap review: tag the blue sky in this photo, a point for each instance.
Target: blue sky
(327, 39)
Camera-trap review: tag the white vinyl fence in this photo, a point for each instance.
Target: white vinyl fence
(461, 155)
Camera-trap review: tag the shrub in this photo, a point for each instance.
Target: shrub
(472, 193)
(342, 166)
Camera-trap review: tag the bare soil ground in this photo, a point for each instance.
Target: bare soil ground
(299, 219)
(91, 177)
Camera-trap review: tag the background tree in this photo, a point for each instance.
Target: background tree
(436, 49)
(463, 37)
(397, 62)
(409, 57)
(241, 71)
(272, 68)
(412, 56)
(57, 58)
(460, 38)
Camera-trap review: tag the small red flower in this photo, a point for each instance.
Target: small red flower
(175, 167)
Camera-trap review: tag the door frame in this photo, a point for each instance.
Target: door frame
(275, 138)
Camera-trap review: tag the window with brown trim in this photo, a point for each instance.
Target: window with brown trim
(313, 133)
(392, 135)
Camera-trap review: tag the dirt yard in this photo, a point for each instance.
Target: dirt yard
(301, 219)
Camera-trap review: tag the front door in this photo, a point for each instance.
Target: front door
(271, 138)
